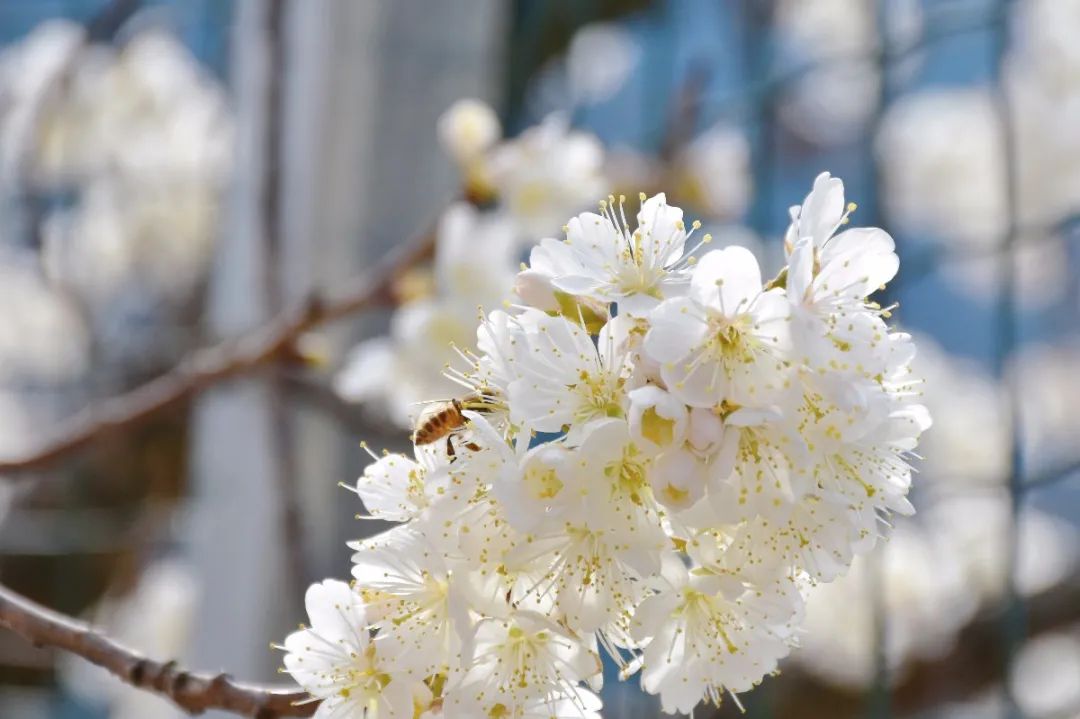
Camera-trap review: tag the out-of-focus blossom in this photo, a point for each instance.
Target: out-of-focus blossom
(832, 45)
(930, 579)
(944, 182)
(546, 174)
(975, 528)
(1046, 677)
(27, 70)
(713, 174)
(830, 104)
(474, 267)
(919, 590)
(943, 169)
(630, 171)
(540, 177)
(155, 236)
(828, 28)
(43, 339)
(158, 618)
(1046, 41)
(140, 138)
(1049, 404)
(970, 441)
(599, 60)
(1042, 78)
(468, 128)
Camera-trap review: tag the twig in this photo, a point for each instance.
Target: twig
(207, 367)
(192, 691)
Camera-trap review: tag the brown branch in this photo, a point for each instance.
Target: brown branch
(207, 367)
(192, 691)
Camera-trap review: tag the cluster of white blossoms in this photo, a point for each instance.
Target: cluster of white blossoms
(657, 456)
(138, 140)
(539, 177)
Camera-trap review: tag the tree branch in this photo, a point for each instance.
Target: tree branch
(206, 367)
(192, 691)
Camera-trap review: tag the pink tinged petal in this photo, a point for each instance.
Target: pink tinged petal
(677, 326)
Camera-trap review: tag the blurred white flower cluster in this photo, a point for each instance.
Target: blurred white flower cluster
(131, 148)
(657, 457)
(113, 162)
(942, 154)
(539, 177)
(834, 46)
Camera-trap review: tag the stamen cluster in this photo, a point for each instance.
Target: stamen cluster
(659, 456)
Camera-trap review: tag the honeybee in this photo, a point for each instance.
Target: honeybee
(444, 419)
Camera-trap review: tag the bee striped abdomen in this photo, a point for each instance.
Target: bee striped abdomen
(438, 421)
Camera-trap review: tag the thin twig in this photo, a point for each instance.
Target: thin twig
(194, 692)
(209, 366)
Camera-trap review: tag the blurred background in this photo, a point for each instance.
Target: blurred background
(173, 173)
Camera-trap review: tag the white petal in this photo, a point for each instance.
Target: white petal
(726, 280)
(676, 328)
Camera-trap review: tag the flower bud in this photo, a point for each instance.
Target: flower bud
(468, 128)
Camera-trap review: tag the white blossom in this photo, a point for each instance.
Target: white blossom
(602, 260)
(726, 340)
(141, 137)
(659, 456)
(339, 662)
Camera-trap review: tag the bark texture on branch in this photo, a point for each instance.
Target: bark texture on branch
(194, 692)
(206, 367)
